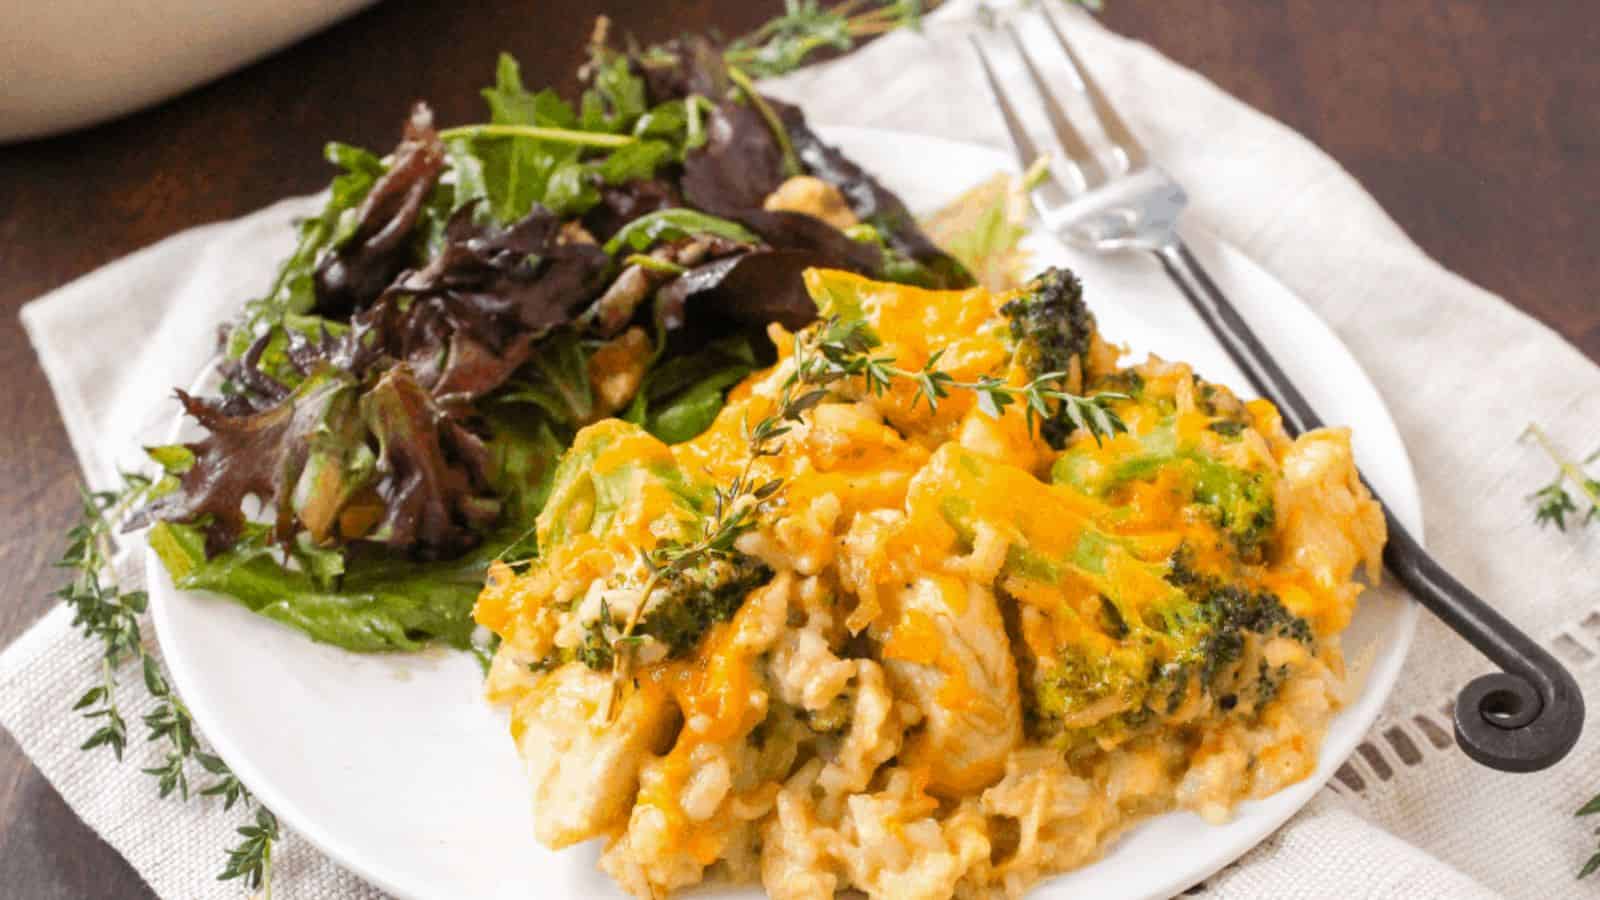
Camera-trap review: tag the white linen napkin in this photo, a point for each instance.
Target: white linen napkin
(1462, 372)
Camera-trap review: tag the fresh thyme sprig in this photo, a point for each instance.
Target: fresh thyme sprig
(251, 860)
(846, 348)
(109, 615)
(1554, 502)
(806, 26)
(100, 609)
(783, 44)
(735, 510)
(829, 353)
(1589, 809)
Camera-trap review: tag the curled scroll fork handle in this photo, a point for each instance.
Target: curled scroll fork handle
(1521, 719)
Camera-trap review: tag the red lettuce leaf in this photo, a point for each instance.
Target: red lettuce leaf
(753, 289)
(740, 164)
(256, 454)
(379, 246)
(871, 202)
(433, 474)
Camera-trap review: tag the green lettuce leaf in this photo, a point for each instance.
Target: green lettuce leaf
(511, 174)
(672, 224)
(371, 601)
(555, 380)
(616, 98)
(379, 605)
(682, 395)
(638, 160)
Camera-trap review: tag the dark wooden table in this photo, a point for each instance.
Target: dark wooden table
(1476, 123)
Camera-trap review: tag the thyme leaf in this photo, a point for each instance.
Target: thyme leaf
(826, 355)
(106, 614)
(788, 41)
(1589, 809)
(1554, 502)
(845, 351)
(251, 860)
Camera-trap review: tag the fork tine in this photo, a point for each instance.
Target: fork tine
(1052, 188)
(1027, 152)
(1116, 129)
(1071, 141)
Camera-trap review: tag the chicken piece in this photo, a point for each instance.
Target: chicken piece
(948, 654)
(1330, 524)
(814, 197)
(584, 771)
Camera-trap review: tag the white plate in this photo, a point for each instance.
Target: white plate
(395, 766)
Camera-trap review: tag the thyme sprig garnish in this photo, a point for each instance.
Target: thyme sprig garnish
(825, 356)
(787, 42)
(1589, 809)
(784, 43)
(251, 860)
(846, 350)
(735, 509)
(1554, 502)
(109, 615)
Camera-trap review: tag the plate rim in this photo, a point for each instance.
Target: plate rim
(1383, 676)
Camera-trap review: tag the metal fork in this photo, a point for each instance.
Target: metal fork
(1522, 719)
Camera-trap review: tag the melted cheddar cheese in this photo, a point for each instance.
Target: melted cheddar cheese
(966, 658)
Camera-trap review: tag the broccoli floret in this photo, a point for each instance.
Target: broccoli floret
(1241, 503)
(1050, 327)
(1226, 618)
(682, 610)
(1231, 416)
(1050, 324)
(686, 607)
(1131, 383)
(1078, 681)
(1222, 615)
(594, 651)
(1231, 613)
(1195, 642)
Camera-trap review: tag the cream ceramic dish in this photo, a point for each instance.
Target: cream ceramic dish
(397, 768)
(61, 67)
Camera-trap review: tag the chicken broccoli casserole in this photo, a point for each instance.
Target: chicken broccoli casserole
(941, 602)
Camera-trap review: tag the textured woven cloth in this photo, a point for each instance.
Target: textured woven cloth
(1462, 372)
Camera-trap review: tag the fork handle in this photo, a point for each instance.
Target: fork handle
(1522, 719)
